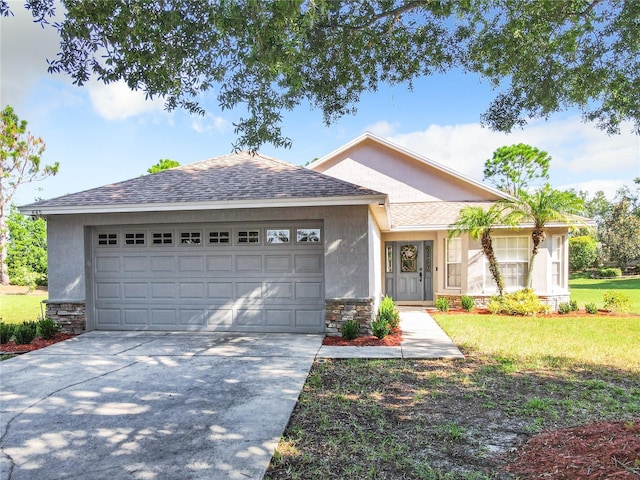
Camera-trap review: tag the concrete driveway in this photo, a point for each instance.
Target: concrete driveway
(150, 405)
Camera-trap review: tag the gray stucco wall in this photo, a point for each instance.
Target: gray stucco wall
(345, 243)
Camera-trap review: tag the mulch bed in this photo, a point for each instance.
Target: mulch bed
(394, 339)
(36, 344)
(579, 313)
(596, 451)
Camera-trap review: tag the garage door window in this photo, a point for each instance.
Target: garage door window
(249, 236)
(190, 238)
(108, 239)
(134, 239)
(308, 235)
(162, 238)
(220, 237)
(281, 235)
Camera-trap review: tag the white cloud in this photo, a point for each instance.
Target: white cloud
(382, 128)
(208, 123)
(609, 187)
(577, 149)
(116, 101)
(24, 49)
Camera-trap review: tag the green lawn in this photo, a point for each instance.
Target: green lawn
(591, 339)
(18, 308)
(590, 290)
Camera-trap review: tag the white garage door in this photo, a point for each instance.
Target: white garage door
(251, 278)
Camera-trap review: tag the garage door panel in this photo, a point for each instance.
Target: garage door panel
(163, 317)
(278, 318)
(248, 317)
(191, 317)
(249, 263)
(105, 291)
(278, 263)
(248, 291)
(135, 291)
(224, 286)
(191, 290)
(220, 318)
(309, 318)
(278, 290)
(134, 264)
(163, 264)
(136, 317)
(220, 290)
(108, 317)
(308, 263)
(163, 290)
(107, 265)
(191, 264)
(220, 263)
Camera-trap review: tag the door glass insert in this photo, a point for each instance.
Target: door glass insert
(428, 258)
(389, 259)
(408, 258)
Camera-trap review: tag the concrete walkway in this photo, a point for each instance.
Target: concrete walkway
(422, 338)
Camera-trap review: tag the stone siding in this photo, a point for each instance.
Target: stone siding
(340, 310)
(482, 300)
(72, 316)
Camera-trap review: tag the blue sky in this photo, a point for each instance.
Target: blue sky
(102, 134)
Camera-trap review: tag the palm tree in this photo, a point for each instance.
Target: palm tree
(540, 208)
(478, 223)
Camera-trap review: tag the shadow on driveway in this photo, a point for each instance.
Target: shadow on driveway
(111, 405)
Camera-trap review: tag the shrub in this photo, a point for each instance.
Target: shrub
(467, 303)
(442, 304)
(6, 331)
(350, 329)
(523, 302)
(617, 302)
(564, 308)
(574, 305)
(24, 333)
(609, 272)
(583, 252)
(387, 311)
(380, 327)
(47, 328)
(591, 308)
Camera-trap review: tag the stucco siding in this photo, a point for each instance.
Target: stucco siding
(403, 178)
(346, 244)
(375, 260)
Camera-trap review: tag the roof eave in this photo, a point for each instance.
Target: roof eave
(33, 209)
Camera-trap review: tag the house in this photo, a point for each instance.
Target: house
(248, 243)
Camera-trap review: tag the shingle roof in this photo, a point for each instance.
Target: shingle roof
(429, 215)
(233, 177)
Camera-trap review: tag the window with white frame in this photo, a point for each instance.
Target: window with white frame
(512, 254)
(557, 250)
(137, 238)
(454, 262)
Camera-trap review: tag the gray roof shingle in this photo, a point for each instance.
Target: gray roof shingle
(429, 214)
(236, 176)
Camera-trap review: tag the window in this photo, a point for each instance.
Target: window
(512, 254)
(282, 235)
(110, 239)
(557, 250)
(190, 238)
(134, 238)
(389, 258)
(220, 237)
(454, 262)
(162, 238)
(308, 235)
(249, 236)
(408, 258)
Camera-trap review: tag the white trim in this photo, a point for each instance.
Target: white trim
(420, 158)
(189, 206)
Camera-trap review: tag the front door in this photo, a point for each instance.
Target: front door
(409, 275)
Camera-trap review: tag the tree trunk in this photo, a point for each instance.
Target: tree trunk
(4, 272)
(487, 248)
(538, 236)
